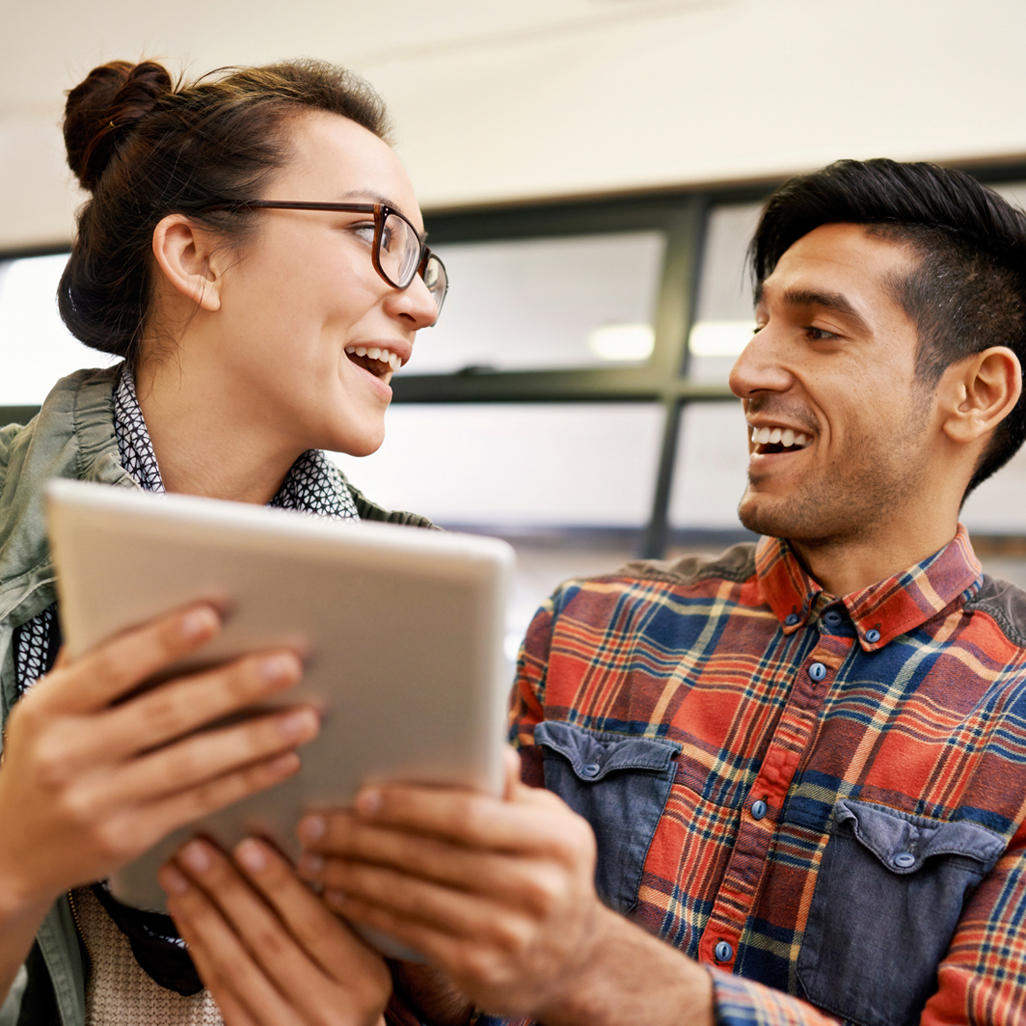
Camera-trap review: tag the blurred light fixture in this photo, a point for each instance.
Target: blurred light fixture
(719, 338)
(622, 343)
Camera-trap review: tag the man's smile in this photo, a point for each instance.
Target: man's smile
(770, 440)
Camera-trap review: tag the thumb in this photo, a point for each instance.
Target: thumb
(511, 784)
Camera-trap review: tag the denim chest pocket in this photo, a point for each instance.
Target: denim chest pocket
(888, 897)
(620, 785)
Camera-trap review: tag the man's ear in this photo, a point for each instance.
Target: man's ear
(981, 391)
(187, 258)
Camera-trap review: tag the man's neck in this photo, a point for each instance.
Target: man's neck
(845, 566)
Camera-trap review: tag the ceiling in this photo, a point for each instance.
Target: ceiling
(48, 46)
(507, 101)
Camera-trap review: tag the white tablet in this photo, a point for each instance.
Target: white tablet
(401, 630)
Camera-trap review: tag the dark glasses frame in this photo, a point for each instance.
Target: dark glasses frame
(381, 212)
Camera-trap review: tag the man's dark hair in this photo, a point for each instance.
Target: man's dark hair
(968, 291)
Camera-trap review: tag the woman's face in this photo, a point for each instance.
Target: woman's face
(301, 300)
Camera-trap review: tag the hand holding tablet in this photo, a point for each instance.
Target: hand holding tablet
(399, 629)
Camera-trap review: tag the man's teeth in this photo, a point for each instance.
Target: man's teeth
(779, 436)
(374, 353)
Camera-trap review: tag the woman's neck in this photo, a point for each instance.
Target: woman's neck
(204, 444)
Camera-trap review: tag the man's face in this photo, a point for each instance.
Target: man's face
(837, 421)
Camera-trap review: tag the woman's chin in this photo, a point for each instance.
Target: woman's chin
(360, 445)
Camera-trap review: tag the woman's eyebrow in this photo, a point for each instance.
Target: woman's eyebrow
(369, 194)
(377, 197)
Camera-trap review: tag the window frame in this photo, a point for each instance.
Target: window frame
(682, 216)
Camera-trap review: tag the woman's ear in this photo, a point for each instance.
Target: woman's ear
(982, 389)
(186, 256)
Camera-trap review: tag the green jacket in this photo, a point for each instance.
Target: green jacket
(72, 436)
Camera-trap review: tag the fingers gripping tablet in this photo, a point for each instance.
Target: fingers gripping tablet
(399, 630)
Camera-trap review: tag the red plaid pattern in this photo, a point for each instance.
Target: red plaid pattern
(913, 700)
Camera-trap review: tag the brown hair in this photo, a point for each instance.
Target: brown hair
(146, 146)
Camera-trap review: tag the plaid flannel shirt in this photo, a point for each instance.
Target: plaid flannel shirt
(819, 798)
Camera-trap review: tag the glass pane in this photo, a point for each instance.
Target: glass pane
(35, 347)
(545, 303)
(1014, 192)
(569, 486)
(711, 467)
(533, 466)
(996, 506)
(543, 561)
(723, 315)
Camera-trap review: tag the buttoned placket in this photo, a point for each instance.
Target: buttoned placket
(794, 732)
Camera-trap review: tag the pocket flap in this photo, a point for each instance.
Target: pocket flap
(903, 842)
(594, 755)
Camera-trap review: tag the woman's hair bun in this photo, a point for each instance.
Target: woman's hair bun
(104, 109)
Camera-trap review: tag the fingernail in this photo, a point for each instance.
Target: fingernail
(310, 865)
(198, 623)
(172, 881)
(282, 766)
(251, 854)
(282, 668)
(311, 829)
(299, 723)
(368, 801)
(196, 856)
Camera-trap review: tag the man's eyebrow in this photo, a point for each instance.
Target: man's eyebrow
(835, 301)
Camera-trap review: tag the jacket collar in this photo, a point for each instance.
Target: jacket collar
(880, 612)
(71, 436)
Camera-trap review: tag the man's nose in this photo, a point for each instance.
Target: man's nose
(760, 367)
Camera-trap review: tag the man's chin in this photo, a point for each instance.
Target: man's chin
(761, 517)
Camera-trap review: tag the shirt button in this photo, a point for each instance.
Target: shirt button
(723, 952)
(832, 618)
(817, 671)
(759, 809)
(872, 635)
(904, 860)
(791, 619)
(590, 769)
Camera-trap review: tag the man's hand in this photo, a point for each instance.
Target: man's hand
(498, 892)
(265, 946)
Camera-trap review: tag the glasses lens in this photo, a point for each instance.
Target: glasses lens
(436, 279)
(399, 250)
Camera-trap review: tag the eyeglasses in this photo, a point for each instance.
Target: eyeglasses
(398, 252)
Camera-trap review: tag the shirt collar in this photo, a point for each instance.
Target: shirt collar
(880, 612)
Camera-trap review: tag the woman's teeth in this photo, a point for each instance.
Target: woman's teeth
(393, 360)
(779, 436)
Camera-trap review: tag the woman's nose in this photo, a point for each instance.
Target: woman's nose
(415, 303)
